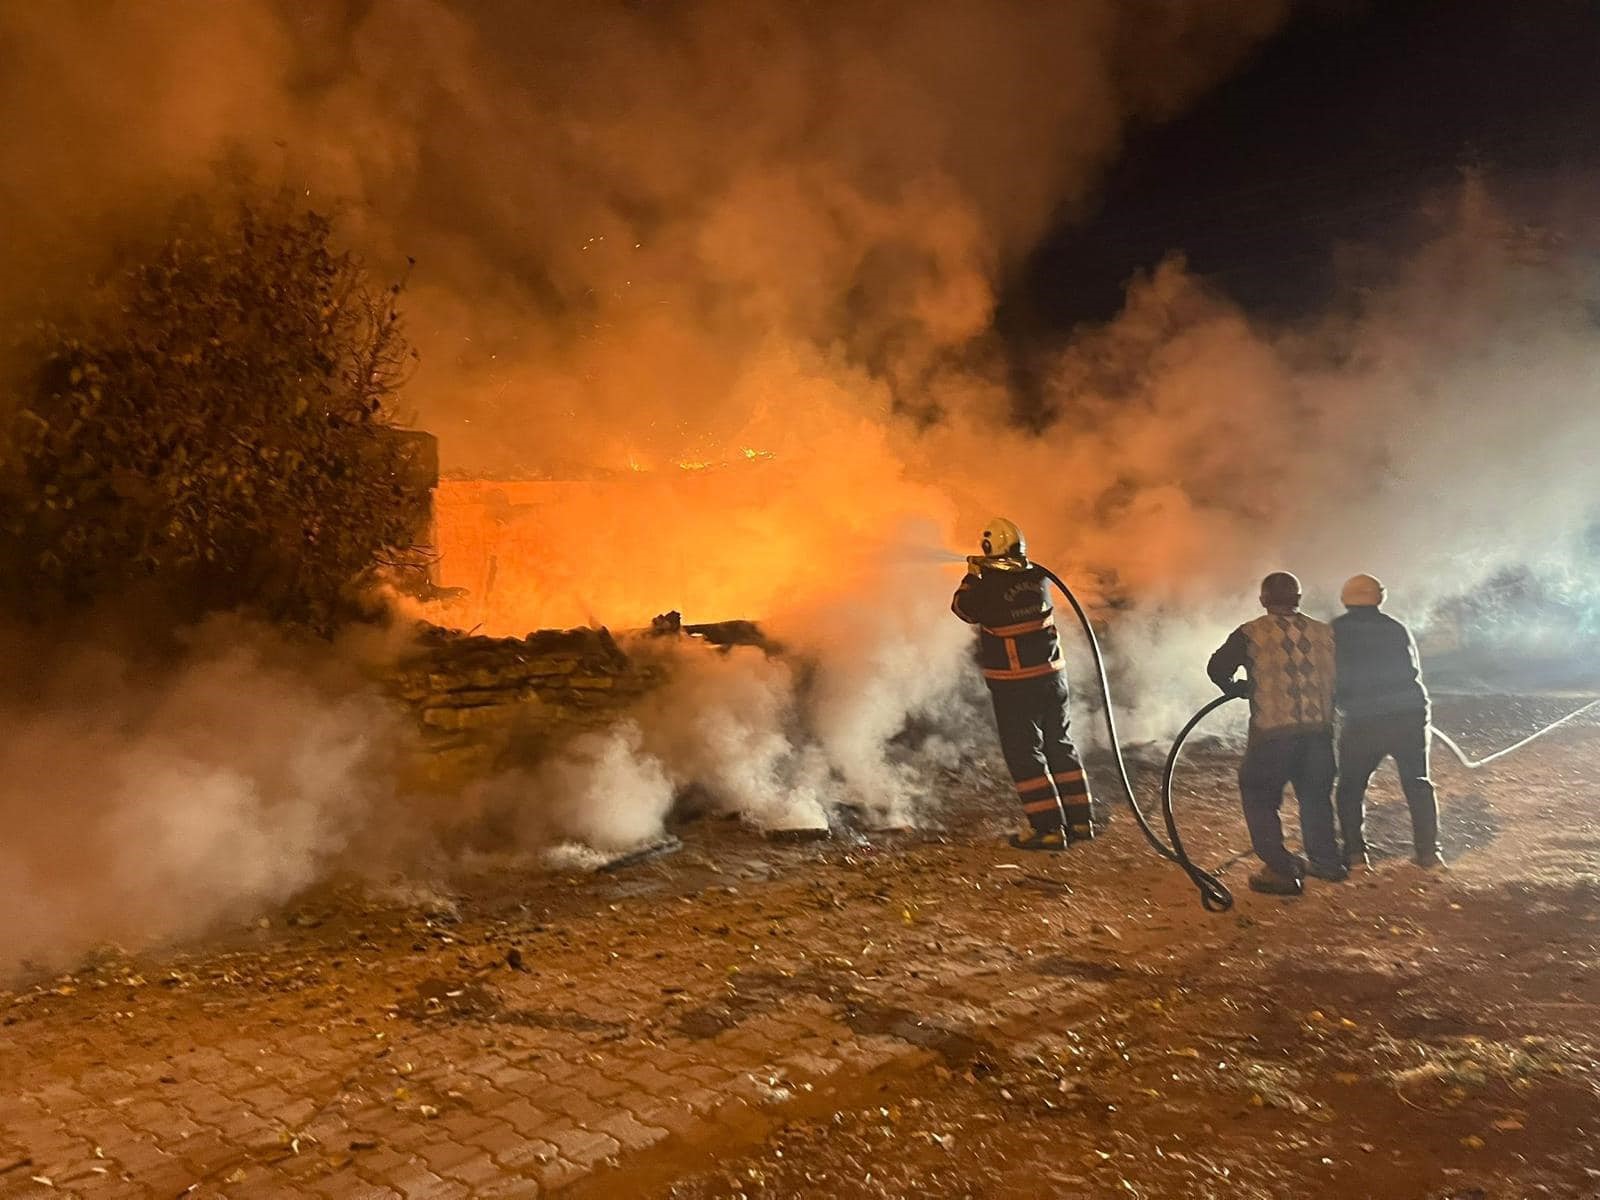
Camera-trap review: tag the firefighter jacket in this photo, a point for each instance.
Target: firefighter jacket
(1010, 604)
(1379, 671)
(1289, 659)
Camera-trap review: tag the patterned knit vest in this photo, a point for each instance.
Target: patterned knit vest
(1290, 661)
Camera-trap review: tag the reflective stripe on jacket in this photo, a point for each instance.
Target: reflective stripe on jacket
(1016, 625)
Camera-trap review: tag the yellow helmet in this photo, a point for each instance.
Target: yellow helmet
(1002, 539)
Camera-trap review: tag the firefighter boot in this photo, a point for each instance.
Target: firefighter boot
(1079, 816)
(1052, 840)
(1046, 827)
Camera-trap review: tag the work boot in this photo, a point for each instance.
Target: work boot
(1329, 872)
(1432, 861)
(1357, 860)
(1053, 840)
(1269, 883)
(1080, 833)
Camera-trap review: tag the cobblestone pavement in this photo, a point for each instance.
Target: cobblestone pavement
(510, 1034)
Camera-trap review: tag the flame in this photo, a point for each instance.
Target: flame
(535, 554)
(798, 505)
(715, 541)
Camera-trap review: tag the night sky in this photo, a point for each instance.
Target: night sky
(1333, 133)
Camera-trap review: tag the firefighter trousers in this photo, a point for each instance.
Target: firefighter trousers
(1364, 742)
(1034, 718)
(1271, 763)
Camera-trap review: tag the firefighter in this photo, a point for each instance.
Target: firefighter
(1008, 598)
(1384, 706)
(1288, 659)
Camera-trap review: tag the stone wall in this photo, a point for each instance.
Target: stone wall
(486, 704)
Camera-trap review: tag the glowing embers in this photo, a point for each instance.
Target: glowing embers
(750, 455)
(747, 454)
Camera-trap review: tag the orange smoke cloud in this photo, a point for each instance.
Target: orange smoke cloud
(812, 512)
(646, 235)
(664, 233)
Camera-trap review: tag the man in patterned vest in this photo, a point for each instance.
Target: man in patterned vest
(1288, 660)
(1008, 598)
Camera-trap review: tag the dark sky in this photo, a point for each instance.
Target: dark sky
(1332, 133)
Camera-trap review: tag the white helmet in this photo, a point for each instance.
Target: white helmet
(1362, 591)
(1002, 539)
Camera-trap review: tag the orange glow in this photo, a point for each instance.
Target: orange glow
(712, 544)
(752, 538)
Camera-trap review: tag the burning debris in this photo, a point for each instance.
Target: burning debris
(722, 634)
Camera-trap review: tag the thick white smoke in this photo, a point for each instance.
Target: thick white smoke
(788, 742)
(651, 234)
(1434, 432)
(142, 803)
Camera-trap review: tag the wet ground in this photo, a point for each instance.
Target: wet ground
(914, 1015)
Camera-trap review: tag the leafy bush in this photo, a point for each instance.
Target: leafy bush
(219, 428)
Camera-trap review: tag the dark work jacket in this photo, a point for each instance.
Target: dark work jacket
(1017, 628)
(1379, 673)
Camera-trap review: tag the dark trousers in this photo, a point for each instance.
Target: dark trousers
(1034, 717)
(1364, 743)
(1270, 764)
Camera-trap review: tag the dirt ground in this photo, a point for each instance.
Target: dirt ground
(917, 1015)
(1401, 1035)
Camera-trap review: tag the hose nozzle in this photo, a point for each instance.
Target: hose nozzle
(977, 564)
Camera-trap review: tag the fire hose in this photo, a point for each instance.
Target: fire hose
(1473, 764)
(1214, 894)
(1205, 710)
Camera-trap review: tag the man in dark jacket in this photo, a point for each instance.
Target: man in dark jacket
(1008, 598)
(1288, 662)
(1385, 709)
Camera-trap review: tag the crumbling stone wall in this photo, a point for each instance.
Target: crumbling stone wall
(487, 704)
